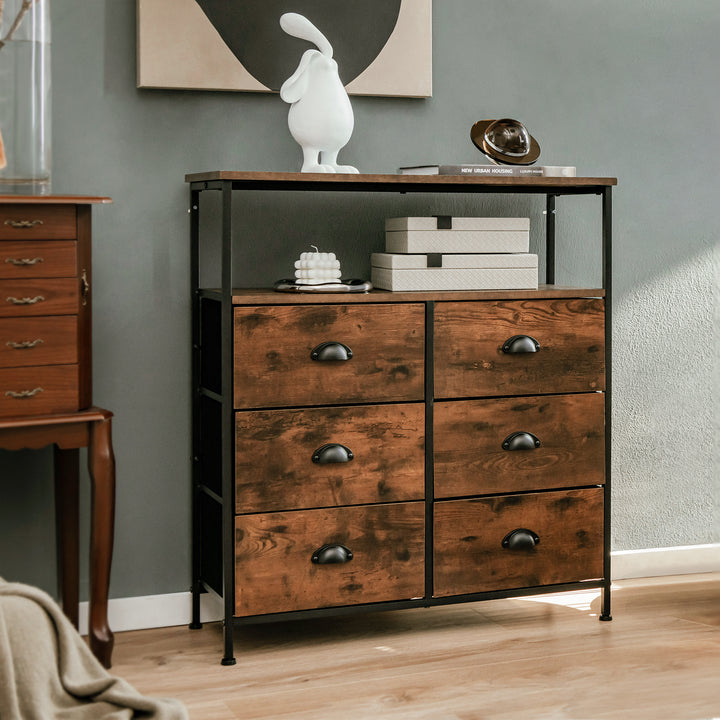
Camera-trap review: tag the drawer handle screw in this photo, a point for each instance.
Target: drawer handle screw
(25, 345)
(24, 224)
(23, 394)
(24, 261)
(26, 300)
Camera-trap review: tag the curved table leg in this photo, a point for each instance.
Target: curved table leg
(101, 464)
(66, 528)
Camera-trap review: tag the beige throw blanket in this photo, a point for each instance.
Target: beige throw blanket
(47, 671)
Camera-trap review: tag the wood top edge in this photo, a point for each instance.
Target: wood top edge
(54, 200)
(268, 296)
(394, 179)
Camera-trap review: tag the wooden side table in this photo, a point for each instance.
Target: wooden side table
(46, 378)
(68, 432)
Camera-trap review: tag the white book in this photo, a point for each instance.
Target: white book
(457, 241)
(454, 279)
(401, 261)
(457, 223)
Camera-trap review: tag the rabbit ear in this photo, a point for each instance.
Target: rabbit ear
(296, 85)
(300, 27)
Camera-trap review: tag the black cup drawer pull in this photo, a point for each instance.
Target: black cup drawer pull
(521, 441)
(520, 539)
(332, 453)
(331, 350)
(518, 344)
(332, 555)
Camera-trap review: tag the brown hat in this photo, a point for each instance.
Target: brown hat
(505, 141)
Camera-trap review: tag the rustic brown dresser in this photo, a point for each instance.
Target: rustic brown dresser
(398, 449)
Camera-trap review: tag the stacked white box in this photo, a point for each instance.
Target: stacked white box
(443, 253)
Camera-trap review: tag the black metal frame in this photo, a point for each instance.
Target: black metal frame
(283, 182)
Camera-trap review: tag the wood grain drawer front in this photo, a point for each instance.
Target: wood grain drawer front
(470, 337)
(275, 571)
(273, 348)
(324, 457)
(20, 260)
(38, 341)
(38, 390)
(518, 444)
(469, 555)
(37, 222)
(48, 296)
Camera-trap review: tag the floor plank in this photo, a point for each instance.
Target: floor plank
(541, 658)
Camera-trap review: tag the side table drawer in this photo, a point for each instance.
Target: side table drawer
(474, 355)
(47, 296)
(38, 341)
(470, 556)
(275, 571)
(326, 457)
(19, 260)
(507, 445)
(37, 222)
(282, 356)
(38, 390)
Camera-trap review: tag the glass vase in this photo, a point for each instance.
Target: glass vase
(25, 150)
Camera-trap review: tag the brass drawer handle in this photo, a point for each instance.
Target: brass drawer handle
(25, 345)
(23, 394)
(25, 300)
(24, 224)
(24, 261)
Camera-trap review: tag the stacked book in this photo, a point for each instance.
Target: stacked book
(445, 253)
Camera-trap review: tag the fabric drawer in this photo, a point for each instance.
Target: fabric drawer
(488, 544)
(323, 457)
(284, 561)
(519, 347)
(517, 444)
(328, 354)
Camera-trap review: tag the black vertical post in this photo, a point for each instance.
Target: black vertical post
(429, 459)
(227, 424)
(607, 285)
(550, 239)
(196, 472)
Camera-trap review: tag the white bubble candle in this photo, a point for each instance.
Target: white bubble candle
(316, 268)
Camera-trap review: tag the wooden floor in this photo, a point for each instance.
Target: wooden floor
(541, 658)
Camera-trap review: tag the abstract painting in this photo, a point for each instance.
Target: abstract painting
(382, 47)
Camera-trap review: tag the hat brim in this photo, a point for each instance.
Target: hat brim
(477, 134)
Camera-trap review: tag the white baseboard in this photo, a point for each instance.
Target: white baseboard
(153, 611)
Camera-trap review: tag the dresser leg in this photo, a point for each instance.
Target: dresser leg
(101, 463)
(605, 603)
(67, 469)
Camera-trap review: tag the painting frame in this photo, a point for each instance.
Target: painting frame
(178, 48)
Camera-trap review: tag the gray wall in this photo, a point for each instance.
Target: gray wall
(616, 87)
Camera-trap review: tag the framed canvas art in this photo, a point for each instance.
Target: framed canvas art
(382, 47)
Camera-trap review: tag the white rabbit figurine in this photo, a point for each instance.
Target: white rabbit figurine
(320, 117)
